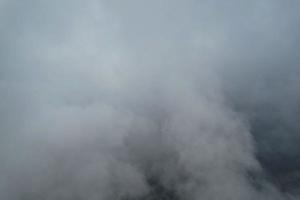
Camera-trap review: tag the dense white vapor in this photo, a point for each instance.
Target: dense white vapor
(139, 99)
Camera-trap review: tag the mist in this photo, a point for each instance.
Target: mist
(149, 100)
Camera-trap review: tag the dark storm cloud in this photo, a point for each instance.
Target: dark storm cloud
(139, 99)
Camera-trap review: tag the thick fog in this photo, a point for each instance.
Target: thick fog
(149, 100)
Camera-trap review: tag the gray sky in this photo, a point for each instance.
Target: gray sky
(99, 97)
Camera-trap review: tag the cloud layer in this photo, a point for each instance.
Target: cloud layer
(149, 99)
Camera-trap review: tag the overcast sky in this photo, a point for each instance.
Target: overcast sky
(98, 98)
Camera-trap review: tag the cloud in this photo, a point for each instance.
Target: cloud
(149, 100)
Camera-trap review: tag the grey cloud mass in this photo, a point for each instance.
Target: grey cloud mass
(149, 100)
